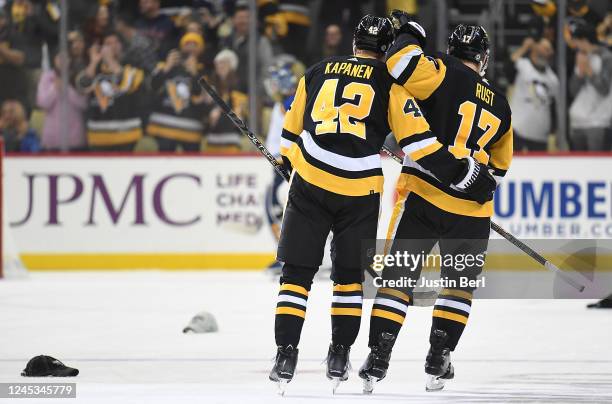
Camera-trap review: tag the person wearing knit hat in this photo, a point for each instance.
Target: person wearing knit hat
(192, 39)
(176, 119)
(544, 8)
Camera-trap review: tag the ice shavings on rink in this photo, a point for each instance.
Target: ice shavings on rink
(123, 330)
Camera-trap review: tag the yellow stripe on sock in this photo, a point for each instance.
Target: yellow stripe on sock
(450, 316)
(457, 293)
(351, 287)
(343, 311)
(291, 311)
(294, 288)
(388, 315)
(395, 293)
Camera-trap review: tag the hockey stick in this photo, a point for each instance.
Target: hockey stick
(517, 243)
(280, 169)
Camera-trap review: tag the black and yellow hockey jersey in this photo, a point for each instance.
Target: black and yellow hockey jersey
(343, 109)
(113, 113)
(179, 105)
(467, 114)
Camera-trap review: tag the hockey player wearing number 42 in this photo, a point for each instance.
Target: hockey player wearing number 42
(343, 109)
(472, 120)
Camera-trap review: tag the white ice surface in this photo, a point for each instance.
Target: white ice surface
(123, 331)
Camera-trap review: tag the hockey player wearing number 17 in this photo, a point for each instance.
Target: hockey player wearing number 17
(343, 109)
(472, 120)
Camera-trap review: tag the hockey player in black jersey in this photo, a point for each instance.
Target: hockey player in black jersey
(471, 119)
(343, 109)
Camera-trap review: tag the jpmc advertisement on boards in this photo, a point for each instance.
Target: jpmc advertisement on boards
(208, 212)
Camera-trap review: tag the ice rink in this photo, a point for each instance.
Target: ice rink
(123, 331)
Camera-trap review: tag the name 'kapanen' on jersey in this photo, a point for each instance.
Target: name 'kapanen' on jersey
(343, 110)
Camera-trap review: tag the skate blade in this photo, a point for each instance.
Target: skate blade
(368, 385)
(434, 383)
(282, 386)
(335, 383)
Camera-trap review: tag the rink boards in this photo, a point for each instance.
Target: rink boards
(201, 212)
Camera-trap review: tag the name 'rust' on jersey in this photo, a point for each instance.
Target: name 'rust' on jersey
(468, 116)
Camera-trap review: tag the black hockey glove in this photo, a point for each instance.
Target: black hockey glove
(476, 181)
(287, 164)
(404, 23)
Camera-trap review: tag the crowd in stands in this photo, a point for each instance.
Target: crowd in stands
(133, 68)
(587, 41)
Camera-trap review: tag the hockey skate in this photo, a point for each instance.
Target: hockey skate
(338, 364)
(375, 367)
(284, 367)
(437, 365)
(602, 304)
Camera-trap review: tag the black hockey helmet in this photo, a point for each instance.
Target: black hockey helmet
(470, 42)
(374, 34)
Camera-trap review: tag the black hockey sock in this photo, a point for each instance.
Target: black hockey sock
(290, 314)
(346, 313)
(388, 313)
(450, 314)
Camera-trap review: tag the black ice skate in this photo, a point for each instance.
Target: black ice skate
(338, 364)
(437, 365)
(377, 362)
(284, 367)
(602, 304)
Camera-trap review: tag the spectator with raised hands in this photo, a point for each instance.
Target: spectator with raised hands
(535, 89)
(114, 121)
(179, 103)
(208, 33)
(591, 111)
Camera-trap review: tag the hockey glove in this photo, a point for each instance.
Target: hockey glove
(404, 23)
(287, 164)
(476, 181)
